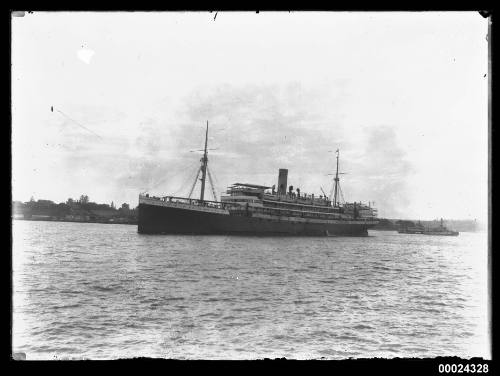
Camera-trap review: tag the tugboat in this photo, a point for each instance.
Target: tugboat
(251, 209)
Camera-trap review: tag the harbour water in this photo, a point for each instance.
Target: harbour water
(93, 291)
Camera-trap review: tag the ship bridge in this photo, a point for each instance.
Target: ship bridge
(238, 189)
(243, 193)
(245, 185)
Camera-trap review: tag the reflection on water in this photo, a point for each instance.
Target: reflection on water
(104, 291)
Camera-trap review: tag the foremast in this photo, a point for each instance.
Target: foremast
(204, 163)
(204, 171)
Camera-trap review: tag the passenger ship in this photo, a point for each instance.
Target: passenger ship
(250, 209)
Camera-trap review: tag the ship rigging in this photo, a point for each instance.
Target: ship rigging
(204, 171)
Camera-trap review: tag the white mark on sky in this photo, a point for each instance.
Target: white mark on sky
(85, 55)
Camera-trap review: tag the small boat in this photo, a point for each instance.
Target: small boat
(420, 229)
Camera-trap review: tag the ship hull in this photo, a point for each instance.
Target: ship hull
(154, 219)
(432, 233)
(450, 233)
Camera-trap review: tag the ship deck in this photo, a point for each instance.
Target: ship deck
(275, 213)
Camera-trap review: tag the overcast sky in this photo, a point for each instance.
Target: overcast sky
(402, 95)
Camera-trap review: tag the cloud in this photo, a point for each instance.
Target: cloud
(381, 172)
(258, 129)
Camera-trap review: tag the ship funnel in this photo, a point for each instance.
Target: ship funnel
(282, 180)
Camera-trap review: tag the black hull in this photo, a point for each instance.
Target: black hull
(451, 233)
(168, 220)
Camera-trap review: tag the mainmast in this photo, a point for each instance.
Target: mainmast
(204, 162)
(336, 181)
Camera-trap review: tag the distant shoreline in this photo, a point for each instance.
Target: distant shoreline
(132, 224)
(74, 221)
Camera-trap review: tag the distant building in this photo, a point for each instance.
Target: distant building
(125, 206)
(17, 207)
(45, 203)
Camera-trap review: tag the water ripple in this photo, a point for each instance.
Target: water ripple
(94, 291)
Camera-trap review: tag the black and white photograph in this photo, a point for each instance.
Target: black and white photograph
(246, 185)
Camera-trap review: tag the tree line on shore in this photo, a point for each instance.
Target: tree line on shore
(81, 209)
